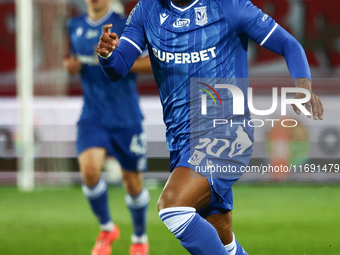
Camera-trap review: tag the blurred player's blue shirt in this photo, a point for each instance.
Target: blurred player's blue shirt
(206, 39)
(111, 104)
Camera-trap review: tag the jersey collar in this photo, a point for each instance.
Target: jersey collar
(100, 21)
(183, 9)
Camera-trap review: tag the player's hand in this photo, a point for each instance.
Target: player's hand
(108, 42)
(314, 105)
(72, 64)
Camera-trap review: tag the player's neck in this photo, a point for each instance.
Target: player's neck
(182, 3)
(97, 14)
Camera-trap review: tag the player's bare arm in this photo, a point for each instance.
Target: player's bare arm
(108, 42)
(142, 65)
(314, 105)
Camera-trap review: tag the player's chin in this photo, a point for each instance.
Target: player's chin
(96, 5)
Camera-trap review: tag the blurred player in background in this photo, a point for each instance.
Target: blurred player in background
(202, 39)
(110, 124)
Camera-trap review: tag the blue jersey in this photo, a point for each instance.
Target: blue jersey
(111, 104)
(206, 39)
(203, 43)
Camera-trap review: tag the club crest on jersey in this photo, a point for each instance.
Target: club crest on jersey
(201, 15)
(196, 158)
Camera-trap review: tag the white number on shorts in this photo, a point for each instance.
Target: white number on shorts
(138, 144)
(206, 141)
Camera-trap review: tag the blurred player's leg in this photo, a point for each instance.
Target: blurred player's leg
(95, 189)
(137, 200)
(182, 196)
(223, 225)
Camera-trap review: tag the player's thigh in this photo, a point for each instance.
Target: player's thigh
(91, 160)
(185, 187)
(92, 146)
(132, 181)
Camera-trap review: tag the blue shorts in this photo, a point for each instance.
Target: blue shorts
(221, 160)
(127, 145)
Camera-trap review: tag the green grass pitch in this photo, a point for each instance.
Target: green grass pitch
(268, 220)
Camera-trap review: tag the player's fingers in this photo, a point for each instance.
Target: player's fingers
(296, 109)
(314, 104)
(105, 38)
(106, 28)
(102, 51)
(308, 106)
(72, 69)
(115, 44)
(65, 56)
(110, 46)
(65, 64)
(115, 39)
(107, 42)
(103, 46)
(114, 36)
(321, 110)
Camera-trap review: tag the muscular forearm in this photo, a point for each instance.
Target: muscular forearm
(142, 65)
(303, 83)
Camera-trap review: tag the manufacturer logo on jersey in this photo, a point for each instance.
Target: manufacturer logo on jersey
(181, 22)
(163, 17)
(79, 31)
(196, 158)
(201, 15)
(90, 33)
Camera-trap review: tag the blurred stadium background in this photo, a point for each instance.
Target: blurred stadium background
(280, 213)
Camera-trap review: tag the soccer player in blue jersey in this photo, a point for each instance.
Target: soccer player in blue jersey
(110, 124)
(192, 42)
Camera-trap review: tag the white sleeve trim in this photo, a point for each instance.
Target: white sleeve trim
(106, 56)
(269, 34)
(133, 43)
